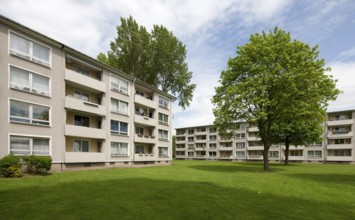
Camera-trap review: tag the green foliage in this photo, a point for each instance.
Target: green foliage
(157, 58)
(277, 83)
(10, 166)
(38, 164)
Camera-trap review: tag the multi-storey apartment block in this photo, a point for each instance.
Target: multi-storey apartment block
(203, 142)
(57, 101)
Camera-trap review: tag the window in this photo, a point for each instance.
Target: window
(139, 149)
(190, 139)
(190, 146)
(118, 106)
(213, 130)
(81, 121)
(213, 146)
(24, 112)
(180, 131)
(30, 50)
(119, 149)
(314, 153)
(81, 146)
(119, 85)
(163, 102)
(273, 153)
(81, 70)
(190, 154)
(163, 152)
(139, 131)
(163, 135)
(81, 95)
(28, 81)
(191, 131)
(29, 146)
(213, 137)
(163, 119)
(240, 145)
(240, 136)
(296, 153)
(118, 127)
(240, 154)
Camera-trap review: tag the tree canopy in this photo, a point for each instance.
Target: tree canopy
(157, 58)
(277, 83)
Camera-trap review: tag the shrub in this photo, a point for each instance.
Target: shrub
(10, 166)
(38, 164)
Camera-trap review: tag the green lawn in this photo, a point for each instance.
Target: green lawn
(186, 190)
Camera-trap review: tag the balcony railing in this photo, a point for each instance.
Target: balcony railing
(86, 132)
(144, 157)
(88, 107)
(340, 122)
(145, 120)
(86, 81)
(84, 157)
(144, 139)
(145, 101)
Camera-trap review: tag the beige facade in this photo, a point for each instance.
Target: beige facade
(59, 102)
(203, 142)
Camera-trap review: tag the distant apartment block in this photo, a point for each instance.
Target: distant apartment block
(59, 102)
(203, 142)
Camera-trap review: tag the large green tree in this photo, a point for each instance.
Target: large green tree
(157, 58)
(272, 77)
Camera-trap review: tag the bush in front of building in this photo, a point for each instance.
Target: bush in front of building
(10, 166)
(39, 165)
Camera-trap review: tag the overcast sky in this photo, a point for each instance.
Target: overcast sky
(210, 29)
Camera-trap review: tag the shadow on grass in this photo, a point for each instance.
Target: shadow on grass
(141, 198)
(347, 179)
(236, 167)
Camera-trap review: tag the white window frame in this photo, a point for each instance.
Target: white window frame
(164, 105)
(30, 89)
(161, 135)
(26, 136)
(120, 88)
(81, 140)
(30, 55)
(118, 102)
(163, 122)
(161, 154)
(240, 152)
(119, 154)
(30, 113)
(82, 94)
(119, 132)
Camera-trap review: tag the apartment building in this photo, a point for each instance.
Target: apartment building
(59, 102)
(203, 142)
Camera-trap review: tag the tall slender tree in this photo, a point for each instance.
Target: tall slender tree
(157, 58)
(272, 77)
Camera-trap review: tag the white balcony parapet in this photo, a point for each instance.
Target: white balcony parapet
(144, 139)
(339, 146)
(144, 157)
(145, 120)
(80, 131)
(80, 105)
(83, 157)
(340, 122)
(340, 158)
(81, 79)
(145, 101)
(339, 135)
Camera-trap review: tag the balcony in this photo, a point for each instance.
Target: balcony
(180, 141)
(253, 129)
(200, 141)
(340, 122)
(144, 139)
(339, 158)
(259, 157)
(254, 138)
(180, 149)
(294, 158)
(339, 146)
(225, 148)
(144, 120)
(80, 131)
(200, 148)
(84, 157)
(333, 135)
(83, 106)
(145, 101)
(144, 157)
(255, 147)
(80, 79)
(201, 156)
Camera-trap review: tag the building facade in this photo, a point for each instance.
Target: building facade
(59, 102)
(203, 142)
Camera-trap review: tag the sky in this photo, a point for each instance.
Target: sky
(211, 31)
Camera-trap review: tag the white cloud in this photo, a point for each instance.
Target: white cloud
(344, 72)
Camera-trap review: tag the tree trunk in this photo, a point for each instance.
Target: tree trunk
(287, 146)
(266, 158)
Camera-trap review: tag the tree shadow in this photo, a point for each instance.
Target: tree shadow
(234, 168)
(346, 179)
(143, 198)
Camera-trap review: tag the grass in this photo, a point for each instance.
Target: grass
(186, 190)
